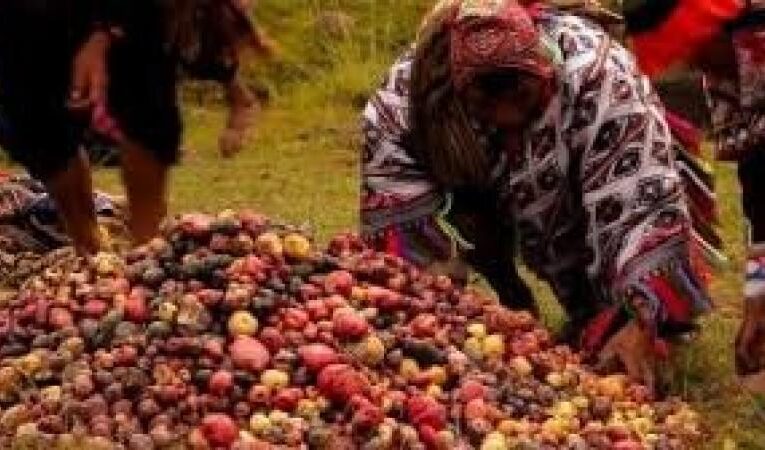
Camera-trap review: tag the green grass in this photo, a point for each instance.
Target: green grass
(301, 165)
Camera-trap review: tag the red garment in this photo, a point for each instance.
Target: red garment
(691, 25)
(103, 123)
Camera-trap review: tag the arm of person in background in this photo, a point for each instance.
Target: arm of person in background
(638, 224)
(246, 35)
(241, 104)
(400, 203)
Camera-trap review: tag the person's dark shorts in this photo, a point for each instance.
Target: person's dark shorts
(751, 174)
(38, 41)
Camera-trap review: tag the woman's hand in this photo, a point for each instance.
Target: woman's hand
(633, 348)
(636, 347)
(89, 72)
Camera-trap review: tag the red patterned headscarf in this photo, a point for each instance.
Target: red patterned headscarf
(487, 35)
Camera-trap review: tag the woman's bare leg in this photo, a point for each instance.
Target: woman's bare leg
(750, 343)
(72, 190)
(145, 180)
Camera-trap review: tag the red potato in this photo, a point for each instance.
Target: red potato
(429, 436)
(471, 390)
(348, 324)
(273, 339)
(385, 299)
(253, 265)
(196, 225)
(295, 318)
(339, 282)
(317, 356)
(426, 411)
(259, 395)
(221, 382)
(220, 429)
(60, 318)
(95, 308)
(340, 382)
(476, 409)
(209, 297)
(311, 332)
(317, 310)
(628, 445)
(125, 356)
(219, 243)
(334, 302)
(287, 399)
(249, 354)
(309, 292)
(366, 415)
(424, 325)
(252, 221)
(213, 348)
(136, 309)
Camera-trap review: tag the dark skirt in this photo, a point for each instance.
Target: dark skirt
(38, 41)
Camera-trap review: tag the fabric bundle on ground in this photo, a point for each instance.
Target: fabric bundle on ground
(28, 217)
(30, 226)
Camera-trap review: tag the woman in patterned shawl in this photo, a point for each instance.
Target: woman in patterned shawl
(726, 40)
(536, 121)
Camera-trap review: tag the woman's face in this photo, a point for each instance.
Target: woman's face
(507, 100)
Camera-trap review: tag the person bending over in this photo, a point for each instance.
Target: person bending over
(537, 121)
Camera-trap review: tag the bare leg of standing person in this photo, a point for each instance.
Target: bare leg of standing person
(750, 344)
(72, 190)
(143, 101)
(145, 179)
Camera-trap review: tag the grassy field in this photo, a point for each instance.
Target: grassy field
(301, 165)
